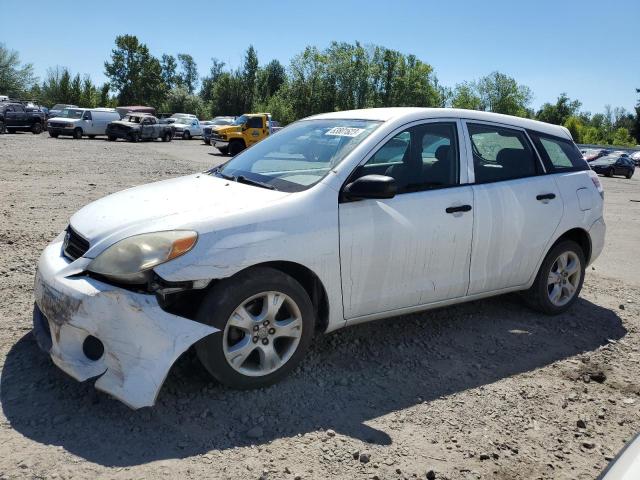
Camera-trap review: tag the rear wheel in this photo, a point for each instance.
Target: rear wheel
(559, 279)
(167, 137)
(235, 147)
(36, 129)
(186, 135)
(266, 323)
(77, 133)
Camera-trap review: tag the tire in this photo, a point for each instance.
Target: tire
(77, 134)
(539, 295)
(167, 137)
(252, 368)
(36, 129)
(629, 175)
(10, 130)
(609, 173)
(206, 142)
(224, 150)
(53, 134)
(133, 137)
(91, 136)
(111, 138)
(235, 147)
(186, 135)
(2, 128)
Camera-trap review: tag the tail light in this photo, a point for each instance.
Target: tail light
(596, 181)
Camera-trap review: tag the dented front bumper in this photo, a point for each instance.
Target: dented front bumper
(141, 341)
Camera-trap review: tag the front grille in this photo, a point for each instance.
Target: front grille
(57, 125)
(207, 131)
(74, 245)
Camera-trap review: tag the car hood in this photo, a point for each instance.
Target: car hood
(63, 119)
(170, 204)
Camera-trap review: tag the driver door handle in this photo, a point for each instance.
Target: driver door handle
(546, 196)
(460, 208)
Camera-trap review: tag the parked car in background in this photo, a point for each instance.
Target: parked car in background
(212, 125)
(245, 131)
(312, 230)
(79, 122)
(14, 117)
(620, 153)
(187, 126)
(594, 154)
(139, 126)
(614, 165)
(57, 109)
(4, 98)
(635, 156)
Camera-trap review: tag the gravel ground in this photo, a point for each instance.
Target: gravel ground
(487, 389)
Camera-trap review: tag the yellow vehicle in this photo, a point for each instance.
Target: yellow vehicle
(246, 130)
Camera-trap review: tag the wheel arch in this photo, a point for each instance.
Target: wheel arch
(581, 237)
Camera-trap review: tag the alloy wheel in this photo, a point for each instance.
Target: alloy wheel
(564, 278)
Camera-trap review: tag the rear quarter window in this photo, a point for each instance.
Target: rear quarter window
(558, 154)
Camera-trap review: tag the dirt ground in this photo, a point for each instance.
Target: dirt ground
(487, 389)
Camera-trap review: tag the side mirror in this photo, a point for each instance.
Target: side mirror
(370, 186)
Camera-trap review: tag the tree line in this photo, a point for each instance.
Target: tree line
(340, 77)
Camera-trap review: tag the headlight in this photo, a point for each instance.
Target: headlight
(130, 259)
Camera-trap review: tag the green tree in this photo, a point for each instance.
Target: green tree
(575, 127)
(249, 73)
(502, 94)
(15, 78)
(209, 82)
(622, 138)
(135, 73)
(103, 99)
(465, 96)
(270, 79)
(559, 112)
(180, 100)
(169, 68)
(188, 76)
(76, 91)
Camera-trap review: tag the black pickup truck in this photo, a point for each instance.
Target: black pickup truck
(139, 126)
(15, 116)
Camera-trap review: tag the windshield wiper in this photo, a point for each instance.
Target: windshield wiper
(248, 181)
(224, 175)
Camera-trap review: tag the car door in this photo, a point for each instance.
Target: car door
(146, 128)
(255, 130)
(517, 207)
(412, 249)
(87, 123)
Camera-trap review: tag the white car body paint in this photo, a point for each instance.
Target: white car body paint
(374, 258)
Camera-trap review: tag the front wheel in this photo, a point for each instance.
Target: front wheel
(266, 323)
(629, 175)
(77, 133)
(223, 150)
(235, 147)
(167, 137)
(36, 129)
(186, 135)
(559, 279)
(609, 173)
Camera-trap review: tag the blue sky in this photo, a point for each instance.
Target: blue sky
(589, 49)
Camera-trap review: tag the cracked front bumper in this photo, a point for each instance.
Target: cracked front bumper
(141, 341)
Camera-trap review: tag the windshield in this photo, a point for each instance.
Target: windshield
(241, 120)
(71, 113)
(184, 120)
(132, 119)
(300, 155)
(221, 122)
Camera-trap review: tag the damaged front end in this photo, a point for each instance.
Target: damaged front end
(92, 328)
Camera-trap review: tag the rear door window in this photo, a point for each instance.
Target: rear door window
(558, 154)
(501, 153)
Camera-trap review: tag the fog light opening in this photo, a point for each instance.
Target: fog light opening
(92, 348)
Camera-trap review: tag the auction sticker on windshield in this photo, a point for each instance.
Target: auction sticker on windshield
(345, 131)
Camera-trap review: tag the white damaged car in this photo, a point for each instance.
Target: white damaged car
(339, 219)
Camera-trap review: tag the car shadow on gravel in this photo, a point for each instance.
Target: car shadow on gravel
(347, 380)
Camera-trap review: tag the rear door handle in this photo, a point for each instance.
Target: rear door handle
(546, 196)
(461, 208)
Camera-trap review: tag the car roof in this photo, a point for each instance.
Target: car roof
(417, 113)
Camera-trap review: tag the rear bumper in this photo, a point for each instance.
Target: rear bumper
(141, 341)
